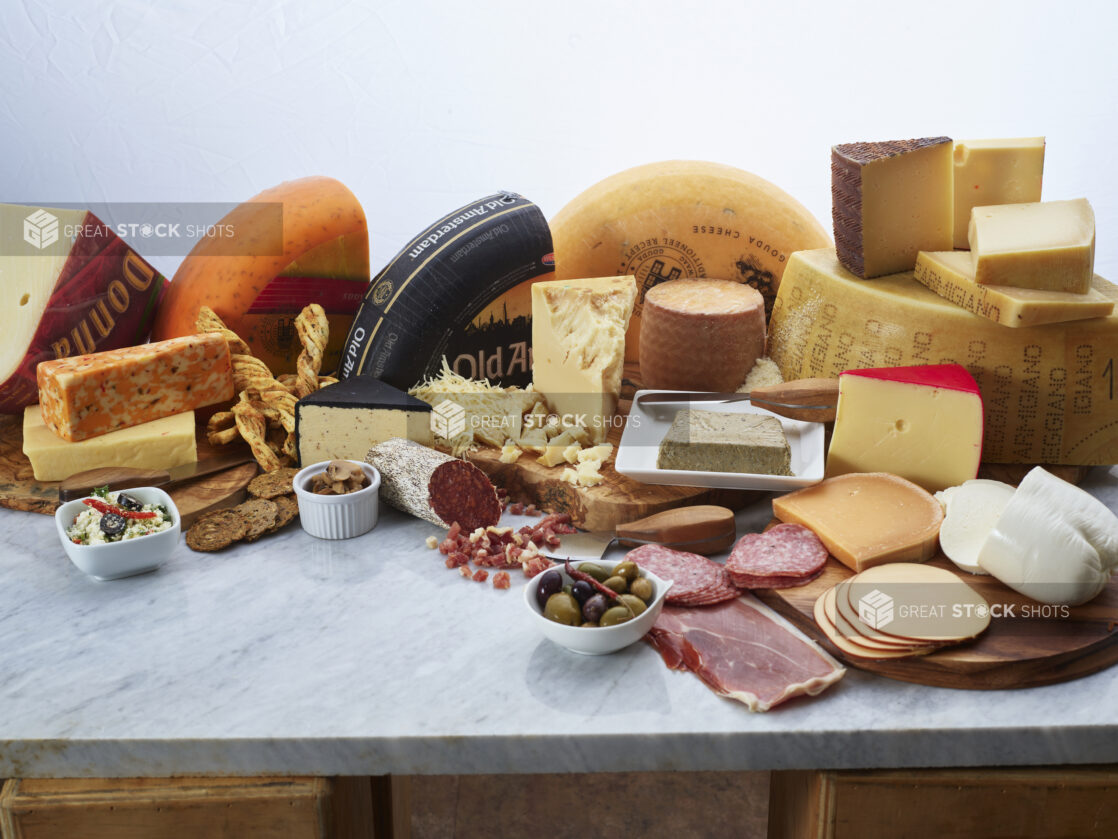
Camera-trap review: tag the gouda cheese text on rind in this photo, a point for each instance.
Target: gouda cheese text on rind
(1050, 392)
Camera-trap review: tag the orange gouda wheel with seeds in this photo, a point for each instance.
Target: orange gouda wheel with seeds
(320, 233)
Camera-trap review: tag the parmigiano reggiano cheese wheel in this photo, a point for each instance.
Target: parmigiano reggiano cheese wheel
(682, 218)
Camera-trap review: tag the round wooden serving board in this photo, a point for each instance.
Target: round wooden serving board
(1011, 653)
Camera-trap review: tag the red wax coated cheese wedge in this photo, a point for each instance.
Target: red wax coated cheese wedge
(88, 395)
(923, 423)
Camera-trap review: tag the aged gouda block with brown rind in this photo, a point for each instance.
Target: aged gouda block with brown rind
(891, 200)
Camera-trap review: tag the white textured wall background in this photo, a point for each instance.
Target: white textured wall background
(422, 106)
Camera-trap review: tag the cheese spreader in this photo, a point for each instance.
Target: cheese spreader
(812, 400)
(703, 529)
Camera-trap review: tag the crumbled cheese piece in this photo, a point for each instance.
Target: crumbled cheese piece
(570, 476)
(552, 456)
(588, 473)
(510, 452)
(570, 454)
(764, 373)
(600, 453)
(432, 542)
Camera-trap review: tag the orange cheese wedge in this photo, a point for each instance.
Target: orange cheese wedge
(867, 518)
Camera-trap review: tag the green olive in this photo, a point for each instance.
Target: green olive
(634, 603)
(617, 584)
(596, 571)
(642, 588)
(614, 615)
(561, 608)
(627, 571)
(589, 623)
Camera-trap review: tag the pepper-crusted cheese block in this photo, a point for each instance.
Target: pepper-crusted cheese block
(88, 395)
(1049, 391)
(68, 285)
(716, 441)
(303, 241)
(950, 274)
(891, 200)
(989, 172)
(866, 519)
(682, 218)
(922, 423)
(159, 444)
(1049, 246)
(700, 335)
(346, 419)
(578, 347)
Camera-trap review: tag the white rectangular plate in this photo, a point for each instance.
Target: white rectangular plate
(648, 423)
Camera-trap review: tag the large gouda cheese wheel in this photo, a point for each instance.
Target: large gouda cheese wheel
(682, 218)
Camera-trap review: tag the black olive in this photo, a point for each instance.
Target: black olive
(128, 502)
(113, 524)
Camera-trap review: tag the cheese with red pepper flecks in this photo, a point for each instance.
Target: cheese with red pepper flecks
(88, 395)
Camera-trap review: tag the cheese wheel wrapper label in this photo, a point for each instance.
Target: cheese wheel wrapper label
(460, 289)
(84, 295)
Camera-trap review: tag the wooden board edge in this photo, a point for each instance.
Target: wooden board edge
(925, 670)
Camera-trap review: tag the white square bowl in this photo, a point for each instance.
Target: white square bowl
(648, 424)
(128, 557)
(596, 640)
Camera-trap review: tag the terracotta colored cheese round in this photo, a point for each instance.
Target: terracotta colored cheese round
(700, 334)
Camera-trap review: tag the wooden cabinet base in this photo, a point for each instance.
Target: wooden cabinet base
(154, 808)
(1043, 803)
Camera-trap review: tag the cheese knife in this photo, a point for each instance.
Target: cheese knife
(122, 477)
(703, 529)
(813, 400)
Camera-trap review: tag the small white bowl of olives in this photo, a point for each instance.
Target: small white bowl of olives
(578, 615)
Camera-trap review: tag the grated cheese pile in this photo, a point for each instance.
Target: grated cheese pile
(515, 420)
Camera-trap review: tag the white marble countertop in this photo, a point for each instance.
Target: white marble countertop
(299, 656)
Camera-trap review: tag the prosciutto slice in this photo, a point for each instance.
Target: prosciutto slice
(744, 651)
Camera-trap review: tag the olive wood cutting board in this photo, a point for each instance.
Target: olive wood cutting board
(1023, 652)
(20, 491)
(614, 501)
(619, 499)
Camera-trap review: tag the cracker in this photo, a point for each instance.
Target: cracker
(216, 530)
(260, 514)
(272, 484)
(287, 510)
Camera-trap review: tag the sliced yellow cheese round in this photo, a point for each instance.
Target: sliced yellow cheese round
(682, 218)
(916, 602)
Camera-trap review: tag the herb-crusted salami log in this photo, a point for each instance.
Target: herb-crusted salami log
(434, 486)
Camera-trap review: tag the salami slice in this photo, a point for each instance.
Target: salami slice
(747, 581)
(697, 581)
(434, 486)
(786, 555)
